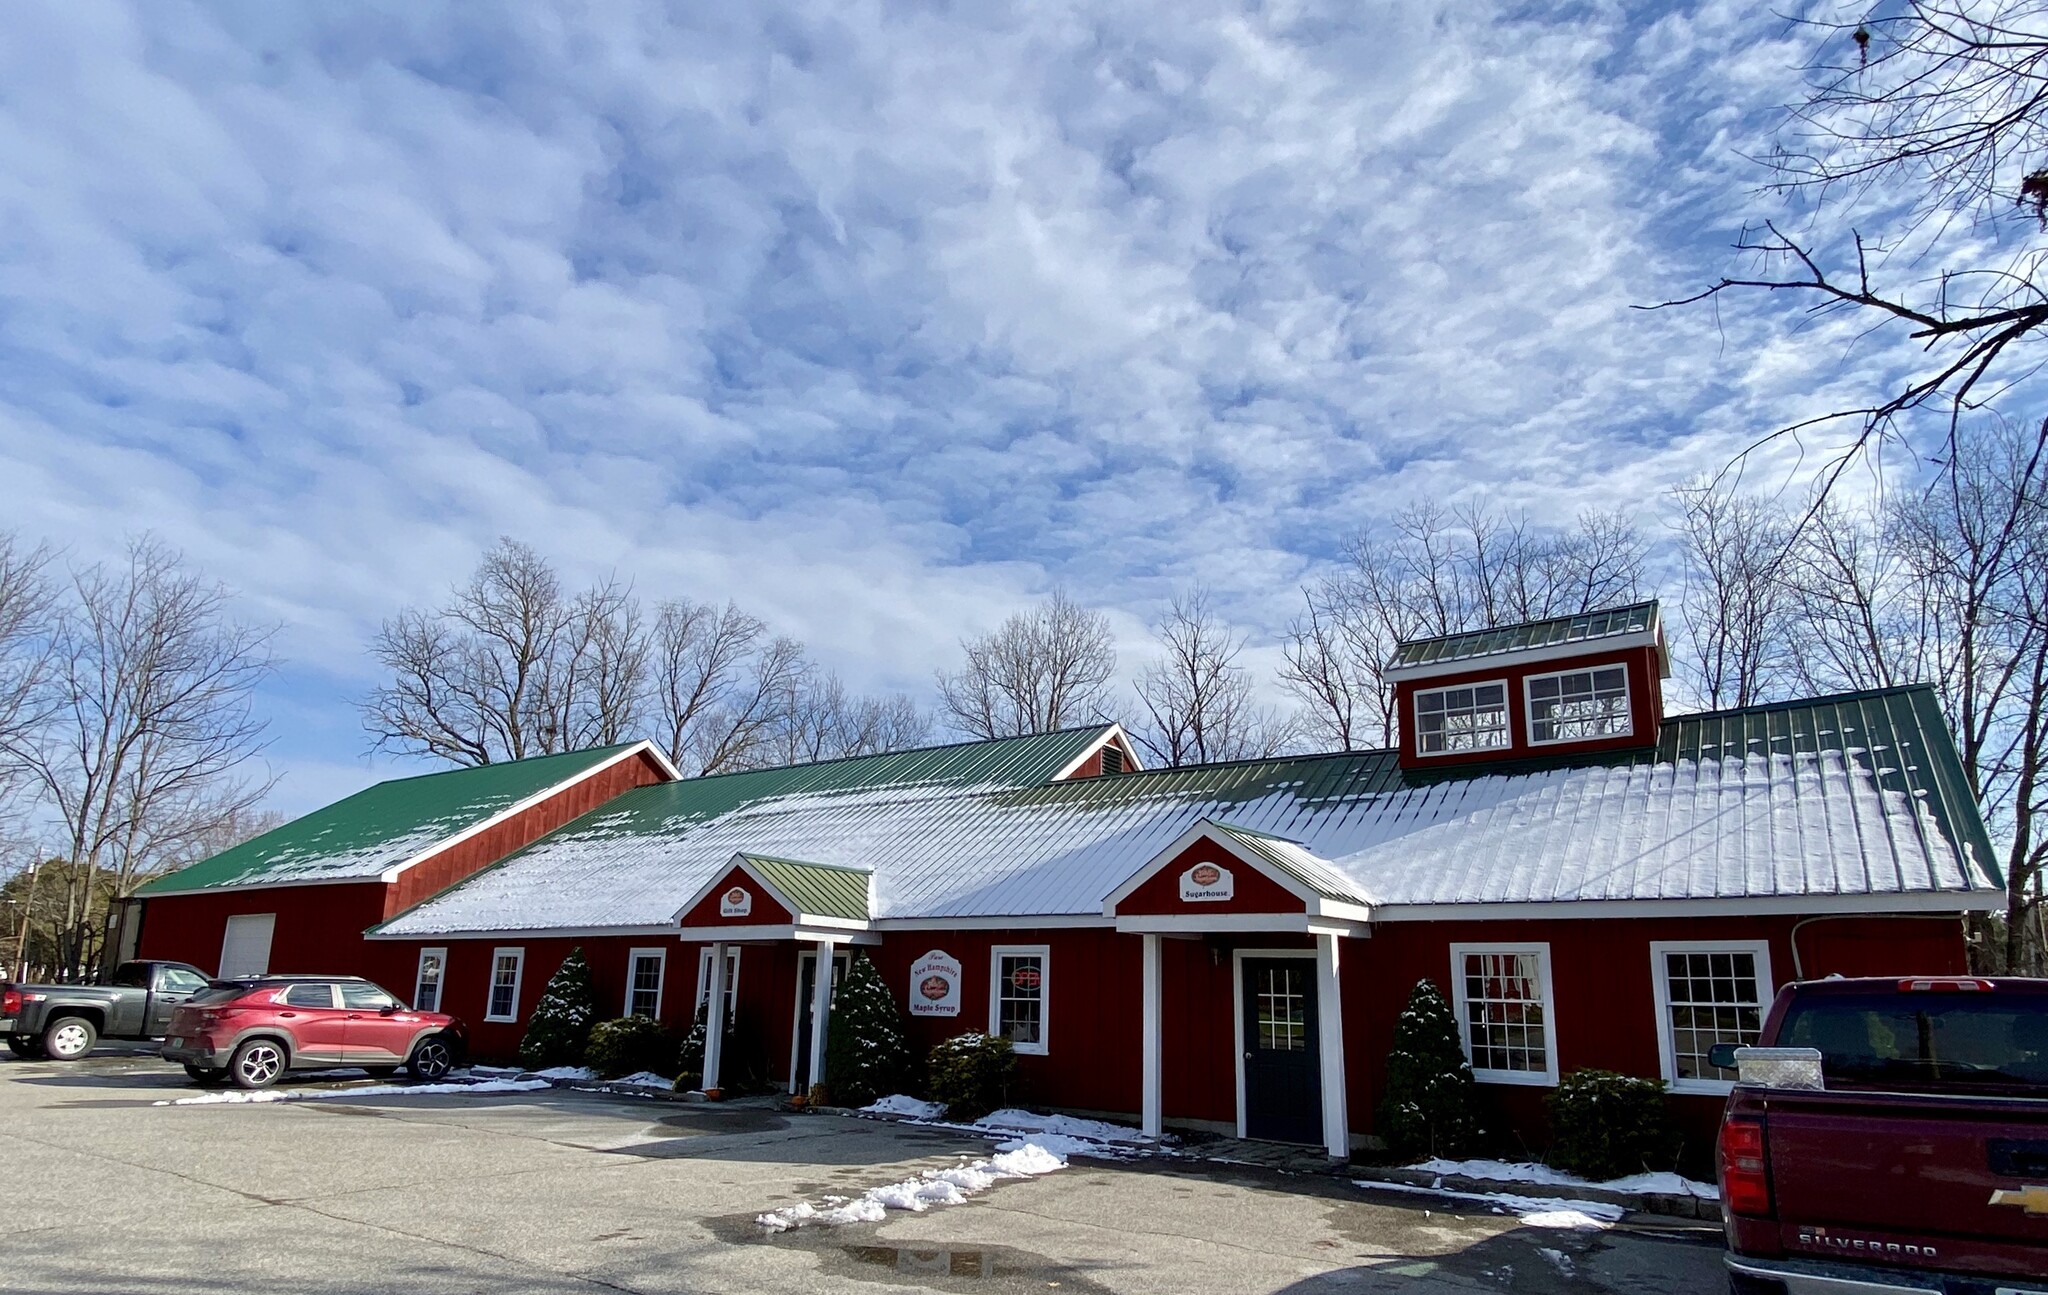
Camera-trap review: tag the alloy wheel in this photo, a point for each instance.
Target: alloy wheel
(261, 1064)
(433, 1060)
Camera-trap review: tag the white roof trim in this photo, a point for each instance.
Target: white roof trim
(643, 747)
(739, 860)
(1213, 830)
(802, 932)
(1200, 924)
(1115, 734)
(243, 888)
(1021, 922)
(533, 933)
(1490, 661)
(1874, 905)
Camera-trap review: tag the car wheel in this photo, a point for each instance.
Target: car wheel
(257, 1064)
(69, 1038)
(205, 1077)
(433, 1059)
(26, 1046)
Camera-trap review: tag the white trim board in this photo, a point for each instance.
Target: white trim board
(1660, 987)
(529, 933)
(633, 956)
(1042, 952)
(1874, 904)
(1512, 657)
(491, 982)
(1115, 734)
(1527, 1078)
(1237, 957)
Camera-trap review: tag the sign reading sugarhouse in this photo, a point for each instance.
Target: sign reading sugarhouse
(935, 985)
(1207, 883)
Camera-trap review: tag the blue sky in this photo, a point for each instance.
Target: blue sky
(880, 318)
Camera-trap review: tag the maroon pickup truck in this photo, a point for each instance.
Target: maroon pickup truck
(1891, 1135)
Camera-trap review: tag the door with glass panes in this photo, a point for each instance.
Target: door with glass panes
(1283, 1090)
(806, 982)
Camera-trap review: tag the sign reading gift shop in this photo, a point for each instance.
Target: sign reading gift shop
(1207, 883)
(737, 901)
(935, 985)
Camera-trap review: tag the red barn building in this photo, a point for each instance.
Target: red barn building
(1227, 946)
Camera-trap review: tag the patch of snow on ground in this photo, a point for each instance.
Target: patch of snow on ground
(898, 1104)
(1500, 1171)
(236, 1095)
(1534, 1211)
(932, 1187)
(645, 1079)
(1559, 1260)
(1070, 1129)
(573, 1074)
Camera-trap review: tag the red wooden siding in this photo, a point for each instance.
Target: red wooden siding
(1645, 692)
(319, 929)
(764, 912)
(1254, 891)
(438, 871)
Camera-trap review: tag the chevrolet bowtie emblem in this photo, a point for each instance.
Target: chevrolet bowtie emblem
(2033, 1198)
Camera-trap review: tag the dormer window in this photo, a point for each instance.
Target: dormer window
(1579, 705)
(1469, 717)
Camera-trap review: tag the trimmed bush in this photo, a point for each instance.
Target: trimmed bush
(690, 1054)
(629, 1045)
(971, 1074)
(1604, 1125)
(867, 1050)
(1431, 1105)
(560, 1027)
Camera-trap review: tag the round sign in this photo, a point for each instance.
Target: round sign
(1206, 874)
(736, 895)
(934, 987)
(1025, 977)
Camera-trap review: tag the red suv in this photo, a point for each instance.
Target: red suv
(250, 1032)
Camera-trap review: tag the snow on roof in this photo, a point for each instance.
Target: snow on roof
(1768, 803)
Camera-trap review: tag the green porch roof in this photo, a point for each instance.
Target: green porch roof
(380, 827)
(815, 889)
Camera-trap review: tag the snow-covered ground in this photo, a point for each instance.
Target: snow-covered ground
(644, 1079)
(1013, 1129)
(1537, 1212)
(1499, 1171)
(229, 1096)
(932, 1187)
(898, 1104)
(565, 1074)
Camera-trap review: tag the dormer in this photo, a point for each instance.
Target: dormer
(1109, 753)
(1566, 686)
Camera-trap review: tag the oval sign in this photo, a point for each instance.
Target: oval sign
(736, 902)
(1207, 883)
(1025, 978)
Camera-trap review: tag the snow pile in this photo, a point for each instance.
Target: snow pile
(568, 1074)
(1661, 1184)
(1534, 1211)
(645, 1079)
(1088, 1135)
(236, 1095)
(898, 1104)
(932, 1187)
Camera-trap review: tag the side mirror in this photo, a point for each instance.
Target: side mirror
(389, 1009)
(1722, 1055)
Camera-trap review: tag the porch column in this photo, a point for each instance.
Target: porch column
(714, 1018)
(821, 1008)
(1330, 1031)
(1151, 1101)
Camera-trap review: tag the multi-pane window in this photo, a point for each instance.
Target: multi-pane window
(732, 978)
(505, 969)
(426, 989)
(1579, 705)
(1504, 1011)
(1283, 1009)
(1708, 994)
(1017, 1007)
(1471, 717)
(644, 968)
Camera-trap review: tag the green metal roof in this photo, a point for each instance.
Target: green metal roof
(381, 826)
(1294, 860)
(1582, 627)
(815, 889)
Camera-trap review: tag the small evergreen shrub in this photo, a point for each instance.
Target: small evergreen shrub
(1605, 1125)
(560, 1027)
(867, 1049)
(971, 1074)
(629, 1045)
(1431, 1106)
(690, 1054)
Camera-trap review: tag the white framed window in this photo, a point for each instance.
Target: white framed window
(1507, 1017)
(732, 979)
(426, 983)
(645, 969)
(1579, 705)
(507, 965)
(1708, 992)
(1465, 717)
(1018, 980)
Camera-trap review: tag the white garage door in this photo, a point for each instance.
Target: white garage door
(246, 950)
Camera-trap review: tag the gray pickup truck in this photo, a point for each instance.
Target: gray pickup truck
(63, 1022)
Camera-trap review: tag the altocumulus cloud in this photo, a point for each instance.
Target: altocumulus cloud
(879, 317)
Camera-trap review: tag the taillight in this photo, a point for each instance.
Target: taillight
(1745, 1177)
(10, 1002)
(1945, 984)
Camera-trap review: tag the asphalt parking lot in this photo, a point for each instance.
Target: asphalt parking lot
(560, 1191)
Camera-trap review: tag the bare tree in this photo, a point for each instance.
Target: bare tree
(1736, 601)
(1198, 703)
(820, 720)
(1043, 669)
(147, 730)
(1930, 119)
(511, 667)
(26, 600)
(1433, 570)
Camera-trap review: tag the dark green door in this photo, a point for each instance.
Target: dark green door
(1283, 1080)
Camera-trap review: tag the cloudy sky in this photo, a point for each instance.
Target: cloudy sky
(881, 318)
